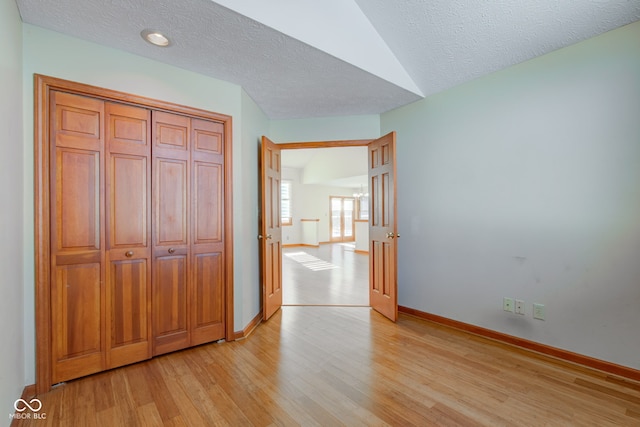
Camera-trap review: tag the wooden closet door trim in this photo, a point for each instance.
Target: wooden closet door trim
(42, 230)
(42, 87)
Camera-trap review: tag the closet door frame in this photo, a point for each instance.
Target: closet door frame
(43, 85)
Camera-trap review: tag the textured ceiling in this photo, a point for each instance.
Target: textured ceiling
(392, 53)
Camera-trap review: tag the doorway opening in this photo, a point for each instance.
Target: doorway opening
(320, 262)
(381, 230)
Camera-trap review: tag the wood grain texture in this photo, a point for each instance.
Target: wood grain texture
(346, 366)
(270, 228)
(580, 359)
(383, 247)
(251, 326)
(324, 144)
(81, 131)
(128, 232)
(78, 291)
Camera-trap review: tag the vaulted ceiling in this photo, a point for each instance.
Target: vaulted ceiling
(309, 58)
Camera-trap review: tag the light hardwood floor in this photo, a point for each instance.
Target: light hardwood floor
(342, 279)
(334, 366)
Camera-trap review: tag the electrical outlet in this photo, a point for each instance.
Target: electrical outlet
(519, 307)
(507, 304)
(538, 311)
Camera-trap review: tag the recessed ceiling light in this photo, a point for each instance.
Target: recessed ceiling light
(155, 38)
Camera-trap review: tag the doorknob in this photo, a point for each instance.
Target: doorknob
(391, 235)
(260, 237)
(268, 236)
(171, 250)
(128, 254)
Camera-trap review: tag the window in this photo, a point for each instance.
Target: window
(363, 207)
(342, 216)
(285, 203)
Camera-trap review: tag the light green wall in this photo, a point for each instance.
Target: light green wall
(254, 125)
(325, 129)
(12, 365)
(526, 184)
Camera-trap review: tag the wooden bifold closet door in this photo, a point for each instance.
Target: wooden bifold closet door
(136, 233)
(188, 298)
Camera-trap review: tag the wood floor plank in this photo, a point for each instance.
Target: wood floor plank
(148, 415)
(140, 386)
(161, 396)
(318, 366)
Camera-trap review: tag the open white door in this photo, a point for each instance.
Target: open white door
(383, 230)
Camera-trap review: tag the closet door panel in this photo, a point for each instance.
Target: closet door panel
(208, 311)
(171, 132)
(128, 293)
(77, 193)
(170, 303)
(208, 138)
(171, 202)
(207, 248)
(76, 300)
(171, 224)
(129, 201)
(128, 175)
(129, 129)
(77, 291)
(77, 121)
(208, 181)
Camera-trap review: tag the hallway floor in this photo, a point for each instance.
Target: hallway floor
(332, 274)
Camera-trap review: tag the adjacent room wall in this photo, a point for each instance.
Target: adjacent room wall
(310, 201)
(292, 234)
(57, 55)
(332, 164)
(314, 200)
(12, 367)
(526, 184)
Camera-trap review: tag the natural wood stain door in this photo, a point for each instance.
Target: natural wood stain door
(77, 234)
(207, 231)
(270, 228)
(128, 222)
(383, 234)
(171, 193)
(188, 285)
